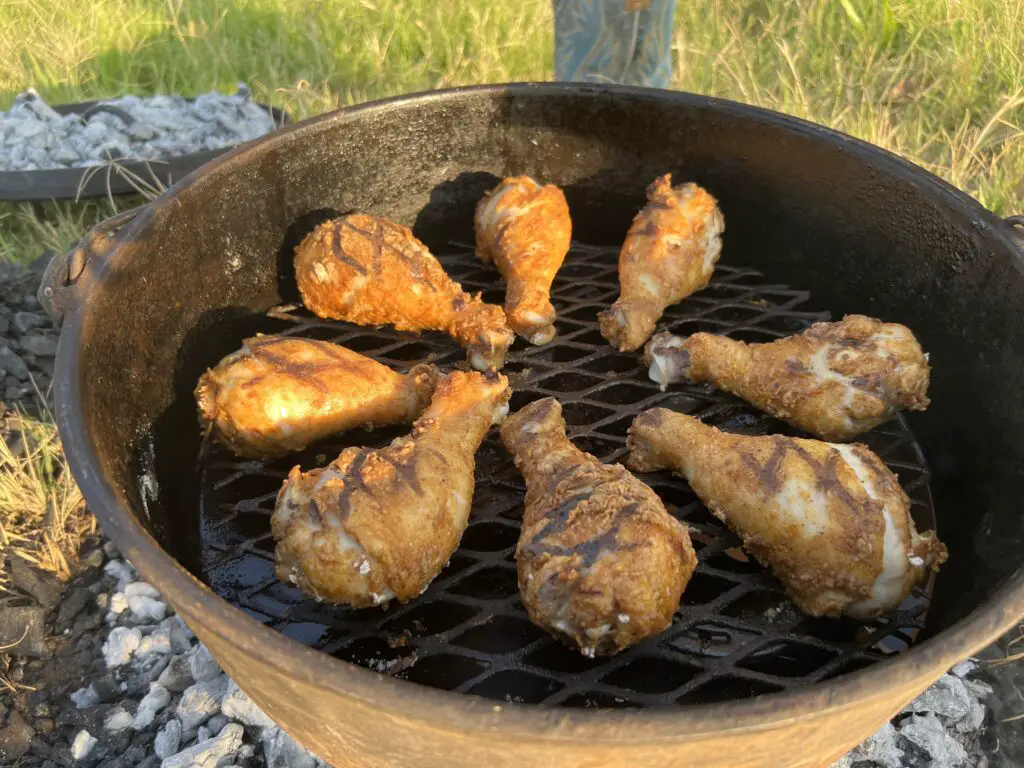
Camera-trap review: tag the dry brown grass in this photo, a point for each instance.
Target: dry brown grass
(43, 518)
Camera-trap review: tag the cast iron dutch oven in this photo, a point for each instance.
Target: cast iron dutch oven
(149, 300)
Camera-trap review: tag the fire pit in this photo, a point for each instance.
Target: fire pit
(816, 222)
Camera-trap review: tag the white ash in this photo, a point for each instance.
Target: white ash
(122, 571)
(82, 745)
(118, 603)
(177, 675)
(118, 720)
(928, 733)
(168, 739)
(882, 749)
(202, 665)
(85, 697)
(145, 670)
(215, 723)
(150, 706)
(33, 136)
(121, 644)
(965, 667)
(238, 706)
(158, 641)
(246, 752)
(210, 752)
(146, 609)
(282, 751)
(938, 729)
(201, 701)
(181, 635)
(141, 589)
(956, 701)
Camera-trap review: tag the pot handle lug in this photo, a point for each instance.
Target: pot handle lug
(1016, 224)
(57, 290)
(1016, 230)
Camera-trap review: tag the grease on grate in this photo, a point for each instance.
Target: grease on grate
(736, 633)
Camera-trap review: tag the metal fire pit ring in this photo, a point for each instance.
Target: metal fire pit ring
(110, 387)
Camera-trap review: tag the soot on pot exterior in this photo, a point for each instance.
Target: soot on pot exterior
(861, 230)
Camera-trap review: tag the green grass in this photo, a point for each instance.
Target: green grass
(941, 82)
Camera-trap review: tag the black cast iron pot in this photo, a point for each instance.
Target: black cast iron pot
(145, 310)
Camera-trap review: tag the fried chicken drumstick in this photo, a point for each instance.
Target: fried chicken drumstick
(669, 252)
(375, 525)
(276, 395)
(834, 380)
(525, 230)
(601, 564)
(370, 271)
(831, 521)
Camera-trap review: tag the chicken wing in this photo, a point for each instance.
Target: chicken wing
(830, 520)
(370, 271)
(525, 230)
(669, 252)
(276, 395)
(380, 524)
(834, 380)
(601, 564)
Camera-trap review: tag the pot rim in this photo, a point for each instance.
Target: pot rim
(445, 710)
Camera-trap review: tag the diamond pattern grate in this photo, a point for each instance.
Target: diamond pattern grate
(735, 634)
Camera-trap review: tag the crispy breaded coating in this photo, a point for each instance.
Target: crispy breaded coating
(525, 230)
(834, 380)
(278, 394)
(375, 525)
(831, 521)
(370, 271)
(602, 565)
(670, 252)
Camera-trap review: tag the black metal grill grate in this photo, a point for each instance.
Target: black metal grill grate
(735, 634)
